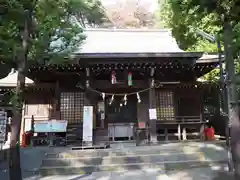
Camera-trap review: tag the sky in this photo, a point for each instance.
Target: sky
(154, 3)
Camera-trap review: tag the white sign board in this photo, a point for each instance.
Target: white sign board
(42, 127)
(58, 126)
(152, 114)
(50, 126)
(88, 124)
(3, 123)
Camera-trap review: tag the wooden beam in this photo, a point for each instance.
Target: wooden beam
(106, 84)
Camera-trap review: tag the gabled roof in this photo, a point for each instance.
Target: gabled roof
(129, 41)
(11, 80)
(135, 43)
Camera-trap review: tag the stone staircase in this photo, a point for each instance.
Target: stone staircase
(100, 137)
(122, 158)
(74, 134)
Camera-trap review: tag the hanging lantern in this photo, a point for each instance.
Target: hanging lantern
(130, 79)
(113, 77)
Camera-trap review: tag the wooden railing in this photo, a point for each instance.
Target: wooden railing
(180, 119)
(181, 127)
(116, 130)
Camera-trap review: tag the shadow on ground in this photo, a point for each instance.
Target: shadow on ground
(32, 158)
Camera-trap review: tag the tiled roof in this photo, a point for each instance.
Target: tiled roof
(11, 80)
(129, 41)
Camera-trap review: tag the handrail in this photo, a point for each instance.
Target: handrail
(180, 119)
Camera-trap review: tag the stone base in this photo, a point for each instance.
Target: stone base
(153, 139)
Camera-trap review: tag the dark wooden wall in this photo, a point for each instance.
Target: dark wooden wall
(188, 102)
(40, 104)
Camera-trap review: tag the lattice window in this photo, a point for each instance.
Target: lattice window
(71, 108)
(165, 105)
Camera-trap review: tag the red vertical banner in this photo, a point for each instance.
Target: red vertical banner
(113, 77)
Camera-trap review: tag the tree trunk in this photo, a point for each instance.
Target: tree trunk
(232, 99)
(14, 152)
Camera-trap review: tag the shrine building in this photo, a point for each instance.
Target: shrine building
(139, 84)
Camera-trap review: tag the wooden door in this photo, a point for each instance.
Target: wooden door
(120, 113)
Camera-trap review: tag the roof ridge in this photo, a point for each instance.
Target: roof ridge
(128, 30)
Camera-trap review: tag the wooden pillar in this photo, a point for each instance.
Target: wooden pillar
(202, 127)
(87, 101)
(57, 99)
(87, 77)
(152, 105)
(179, 132)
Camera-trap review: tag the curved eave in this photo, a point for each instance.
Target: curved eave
(11, 80)
(108, 56)
(207, 63)
(13, 85)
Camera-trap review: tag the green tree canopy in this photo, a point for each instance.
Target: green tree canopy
(184, 21)
(184, 17)
(39, 32)
(56, 27)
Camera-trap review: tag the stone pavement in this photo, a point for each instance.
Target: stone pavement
(151, 174)
(32, 159)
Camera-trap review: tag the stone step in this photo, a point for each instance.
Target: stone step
(163, 166)
(65, 161)
(73, 136)
(73, 142)
(109, 152)
(129, 159)
(74, 131)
